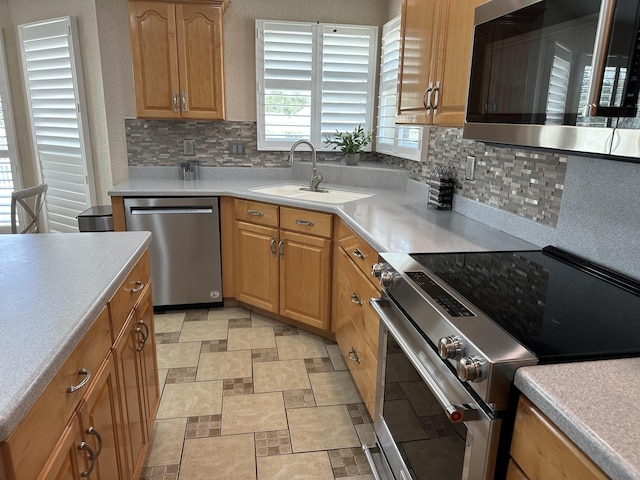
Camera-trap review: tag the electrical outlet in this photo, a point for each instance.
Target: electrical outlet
(187, 147)
(471, 168)
(237, 148)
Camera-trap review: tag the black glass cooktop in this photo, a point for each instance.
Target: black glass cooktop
(559, 306)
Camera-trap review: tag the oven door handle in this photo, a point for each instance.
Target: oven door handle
(455, 413)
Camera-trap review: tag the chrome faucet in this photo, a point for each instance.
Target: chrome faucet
(316, 177)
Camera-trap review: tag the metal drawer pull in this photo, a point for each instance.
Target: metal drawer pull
(74, 388)
(137, 286)
(184, 102)
(356, 299)
(353, 355)
(93, 431)
(255, 213)
(281, 246)
(274, 250)
(359, 254)
(175, 102)
(145, 335)
(92, 456)
(437, 92)
(305, 223)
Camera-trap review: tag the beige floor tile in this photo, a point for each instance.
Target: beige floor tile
(300, 466)
(334, 388)
(166, 442)
(191, 399)
(168, 322)
(227, 313)
(258, 320)
(300, 346)
(250, 338)
(221, 365)
(321, 428)
(219, 458)
(280, 376)
(366, 433)
(204, 330)
(359, 477)
(176, 355)
(253, 413)
(162, 378)
(337, 360)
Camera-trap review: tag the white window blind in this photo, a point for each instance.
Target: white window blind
(57, 108)
(392, 139)
(9, 173)
(313, 79)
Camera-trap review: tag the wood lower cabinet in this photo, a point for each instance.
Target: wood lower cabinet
(93, 419)
(540, 451)
(282, 257)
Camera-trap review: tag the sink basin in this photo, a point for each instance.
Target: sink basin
(299, 193)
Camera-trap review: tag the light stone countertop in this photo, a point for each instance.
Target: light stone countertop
(53, 287)
(596, 405)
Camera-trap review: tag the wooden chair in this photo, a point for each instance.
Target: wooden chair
(29, 196)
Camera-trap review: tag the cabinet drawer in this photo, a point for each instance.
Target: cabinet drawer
(305, 221)
(363, 255)
(545, 453)
(31, 443)
(256, 212)
(128, 293)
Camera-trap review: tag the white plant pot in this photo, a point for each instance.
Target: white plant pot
(352, 158)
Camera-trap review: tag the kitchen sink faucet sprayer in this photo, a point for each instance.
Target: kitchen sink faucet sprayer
(316, 177)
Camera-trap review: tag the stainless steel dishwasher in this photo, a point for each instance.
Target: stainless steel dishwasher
(185, 248)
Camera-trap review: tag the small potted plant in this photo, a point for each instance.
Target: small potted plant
(350, 143)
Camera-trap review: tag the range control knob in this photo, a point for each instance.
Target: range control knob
(470, 369)
(387, 279)
(450, 347)
(377, 269)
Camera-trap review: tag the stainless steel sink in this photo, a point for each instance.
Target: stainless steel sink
(303, 193)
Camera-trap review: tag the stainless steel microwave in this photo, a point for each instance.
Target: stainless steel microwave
(557, 74)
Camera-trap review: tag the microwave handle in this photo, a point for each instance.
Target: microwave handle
(598, 64)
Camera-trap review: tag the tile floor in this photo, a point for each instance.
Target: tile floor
(245, 397)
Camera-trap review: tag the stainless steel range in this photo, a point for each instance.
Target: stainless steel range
(454, 329)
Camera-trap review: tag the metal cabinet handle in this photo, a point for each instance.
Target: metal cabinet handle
(437, 98)
(306, 223)
(92, 456)
(356, 299)
(353, 355)
(145, 334)
(184, 101)
(281, 247)
(74, 388)
(175, 102)
(137, 286)
(274, 251)
(255, 213)
(357, 253)
(428, 93)
(93, 431)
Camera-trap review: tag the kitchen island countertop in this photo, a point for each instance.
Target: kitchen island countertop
(53, 286)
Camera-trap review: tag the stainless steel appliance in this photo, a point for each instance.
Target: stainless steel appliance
(185, 248)
(454, 329)
(557, 74)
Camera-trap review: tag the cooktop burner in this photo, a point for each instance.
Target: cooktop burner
(560, 307)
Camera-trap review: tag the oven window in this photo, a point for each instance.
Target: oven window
(431, 446)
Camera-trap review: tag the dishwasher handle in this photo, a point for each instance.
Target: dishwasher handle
(170, 210)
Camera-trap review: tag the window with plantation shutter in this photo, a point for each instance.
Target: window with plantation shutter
(9, 177)
(57, 111)
(398, 140)
(313, 79)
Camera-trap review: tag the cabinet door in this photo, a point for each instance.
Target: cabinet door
(420, 20)
(305, 278)
(453, 63)
(66, 461)
(152, 27)
(256, 261)
(131, 396)
(147, 360)
(101, 423)
(199, 30)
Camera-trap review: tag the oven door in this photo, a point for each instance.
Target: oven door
(427, 423)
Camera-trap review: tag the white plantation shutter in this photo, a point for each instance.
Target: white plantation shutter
(392, 139)
(312, 79)
(57, 107)
(9, 173)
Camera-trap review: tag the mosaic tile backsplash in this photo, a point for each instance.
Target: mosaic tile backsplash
(524, 182)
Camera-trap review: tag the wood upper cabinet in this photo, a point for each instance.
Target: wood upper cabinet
(436, 55)
(177, 55)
